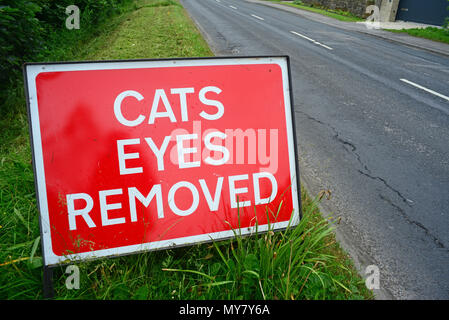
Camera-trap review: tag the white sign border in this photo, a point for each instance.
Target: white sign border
(32, 70)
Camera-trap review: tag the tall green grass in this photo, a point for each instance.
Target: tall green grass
(289, 264)
(431, 33)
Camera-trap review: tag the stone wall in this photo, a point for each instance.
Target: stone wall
(356, 7)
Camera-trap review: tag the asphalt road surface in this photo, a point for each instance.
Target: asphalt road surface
(372, 122)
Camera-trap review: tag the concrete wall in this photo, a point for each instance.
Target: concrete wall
(356, 7)
(388, 10)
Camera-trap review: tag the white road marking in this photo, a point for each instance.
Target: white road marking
(425, 89)
(257, 17)
(302, 36)
(311, 40)
(233, 7)
(323, 45)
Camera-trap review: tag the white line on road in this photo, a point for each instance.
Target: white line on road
(311, 40)
(302, 36)
(323, 45)
(425, 89)
(233, 7)
(257, 17)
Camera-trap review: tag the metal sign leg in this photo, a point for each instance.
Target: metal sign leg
(48, 291)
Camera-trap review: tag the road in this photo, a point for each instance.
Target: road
(372, 123)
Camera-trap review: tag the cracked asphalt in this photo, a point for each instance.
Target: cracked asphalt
(379, 144)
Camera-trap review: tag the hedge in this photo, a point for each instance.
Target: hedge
(28, 29)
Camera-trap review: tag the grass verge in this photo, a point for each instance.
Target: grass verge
(302, 263)
(336, 14)
(431, 33)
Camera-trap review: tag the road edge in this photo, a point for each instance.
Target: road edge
(206, 36)
(350, 249)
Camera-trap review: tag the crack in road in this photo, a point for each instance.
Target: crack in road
(404, 199)
(353, 150)
(367, 173)
(416, 223)
(345, 142)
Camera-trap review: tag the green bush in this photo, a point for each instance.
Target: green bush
(33, 30)
(20, 36)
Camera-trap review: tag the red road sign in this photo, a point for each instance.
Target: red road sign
(139, 155)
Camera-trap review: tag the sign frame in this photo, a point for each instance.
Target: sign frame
(31, 70)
